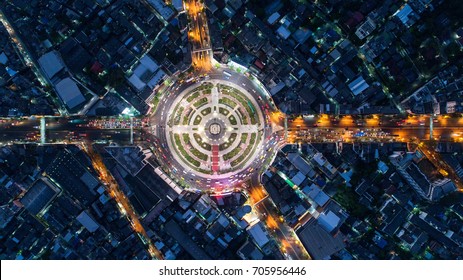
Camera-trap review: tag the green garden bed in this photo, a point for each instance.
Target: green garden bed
(179, 146)
(244, 102)
(186, 138)
(197, 120)
(228, 102)
(231, 139)
(244, 119)
(223, 111)
(247, 152)
(193, 96)
(232, 153)
(244, 137)
(206, 111)
(186, 118)
(232, 120)
(198, 154)
(176, 117)
(199, 140)
(193, 150)
(201, 102)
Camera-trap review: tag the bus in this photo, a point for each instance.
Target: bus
(251, 106)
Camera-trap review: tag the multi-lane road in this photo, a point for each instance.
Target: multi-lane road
(374, 128)
(299, 129)
(68, 130)
(267, 212)
(198, 35)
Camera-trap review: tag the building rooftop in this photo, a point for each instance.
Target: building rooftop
(87, 221)
(358, 85)
(51, 63)
(131, 158)
(174, 230)
(273, 18)
(329, 221)
(316, 194)
(318, 242)
(178, 4)
(67, 171)
(249, 251)
(69, 92)
(298, 178)
(165, 11)
(283, 32)
(39, 196)
(406, 15)
(259, 234)
(301, 164)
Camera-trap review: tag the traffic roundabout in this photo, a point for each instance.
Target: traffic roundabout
(213, 131)
(214, 128)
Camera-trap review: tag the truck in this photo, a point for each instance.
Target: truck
(77, 121)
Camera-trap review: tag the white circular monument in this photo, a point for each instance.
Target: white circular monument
(214, 129)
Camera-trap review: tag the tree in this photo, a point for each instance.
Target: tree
(115, 76)
(453, 50)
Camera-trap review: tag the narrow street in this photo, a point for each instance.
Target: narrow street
(123, 202)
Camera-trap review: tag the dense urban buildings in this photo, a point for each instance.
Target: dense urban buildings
(231, 129)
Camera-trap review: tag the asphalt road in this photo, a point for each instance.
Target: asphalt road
(300, 129)
(199, 35)
(59, 130)
(406, 128)
(397, 128)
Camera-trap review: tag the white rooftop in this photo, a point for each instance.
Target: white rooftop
(328, 221)
(298, 178)
(358, 85)
(178, 4)
(258, 234)
(69, 92)
(87, 222)
(3, 58)
(156, 79)
(51, 63)
(320, 159)
(273, 18)
(283, 32)
(316, 194)
(149, 63)
(136, 82)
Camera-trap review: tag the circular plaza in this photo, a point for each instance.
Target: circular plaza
(214, 129)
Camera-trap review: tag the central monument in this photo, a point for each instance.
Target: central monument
(214, 132)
